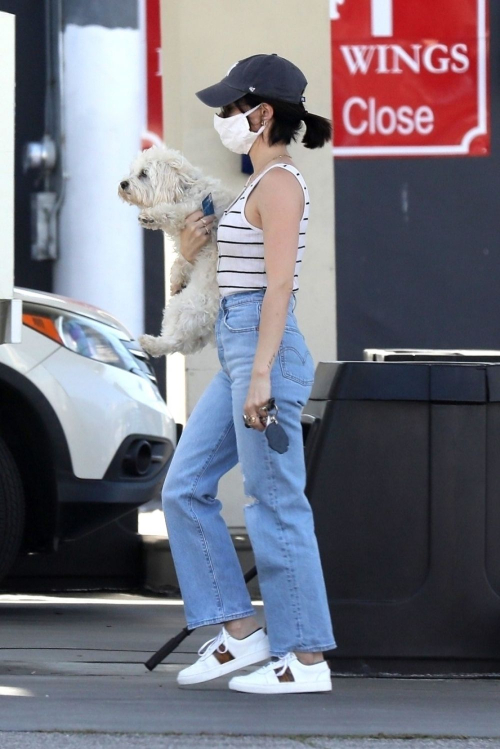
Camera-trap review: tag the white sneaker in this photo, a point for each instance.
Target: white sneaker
(284, 676)
(223, 654)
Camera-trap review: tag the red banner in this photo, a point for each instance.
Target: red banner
(410, 78)
(154, 132)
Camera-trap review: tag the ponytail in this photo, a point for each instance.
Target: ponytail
(288, 120)
(318, 130)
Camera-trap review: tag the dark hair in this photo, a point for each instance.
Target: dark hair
(287, 121)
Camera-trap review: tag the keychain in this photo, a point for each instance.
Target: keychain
(276, 435)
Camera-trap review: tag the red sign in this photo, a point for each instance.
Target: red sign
(154, 131)
(410, 77)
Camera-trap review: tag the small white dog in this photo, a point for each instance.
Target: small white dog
(168, 188)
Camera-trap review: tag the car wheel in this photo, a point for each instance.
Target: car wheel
(11, 510)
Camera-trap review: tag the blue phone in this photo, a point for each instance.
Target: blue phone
(207, 205)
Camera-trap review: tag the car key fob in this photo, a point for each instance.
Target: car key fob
(276, 435)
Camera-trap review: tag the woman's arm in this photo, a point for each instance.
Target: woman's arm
(280, 205)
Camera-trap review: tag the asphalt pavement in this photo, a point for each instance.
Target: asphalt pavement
(137, 741)
(72, 675)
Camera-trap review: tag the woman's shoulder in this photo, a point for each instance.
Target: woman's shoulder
(282, 189)
(280, 175)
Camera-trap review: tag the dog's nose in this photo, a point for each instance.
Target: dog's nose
(124, 184)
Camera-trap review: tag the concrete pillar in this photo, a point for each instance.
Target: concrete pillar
(193, 60)
(10, 311)
(103, 115)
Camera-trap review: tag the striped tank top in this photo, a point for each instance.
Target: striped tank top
(240, 265)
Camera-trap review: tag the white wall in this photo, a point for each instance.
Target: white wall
(199, 44)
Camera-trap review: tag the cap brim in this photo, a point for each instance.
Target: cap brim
(219, 95)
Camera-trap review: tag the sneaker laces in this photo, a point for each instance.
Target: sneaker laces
(281, 663)
(210, 646)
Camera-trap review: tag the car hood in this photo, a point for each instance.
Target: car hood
(69, 305)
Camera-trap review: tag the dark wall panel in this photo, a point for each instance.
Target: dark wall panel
(154, 295)
(418, 246)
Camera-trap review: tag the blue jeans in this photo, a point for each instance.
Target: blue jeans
(278, 516)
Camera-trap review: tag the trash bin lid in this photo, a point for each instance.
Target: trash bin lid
(443, 382)
(427, 355)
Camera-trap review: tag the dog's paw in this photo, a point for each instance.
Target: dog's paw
(150, 344)
(149, 221)
(160, 345)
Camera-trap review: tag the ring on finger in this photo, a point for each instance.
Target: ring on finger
(207, 230)
(203, 222)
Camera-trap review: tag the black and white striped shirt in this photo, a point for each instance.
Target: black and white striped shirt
(240, 263)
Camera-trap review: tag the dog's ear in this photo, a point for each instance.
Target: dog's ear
(187, 176)
(177, 162)
(183, 184)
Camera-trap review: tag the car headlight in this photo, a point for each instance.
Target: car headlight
(89, 338)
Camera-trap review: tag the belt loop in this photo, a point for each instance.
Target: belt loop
(294, 301)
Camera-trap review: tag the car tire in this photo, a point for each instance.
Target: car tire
(12, 510)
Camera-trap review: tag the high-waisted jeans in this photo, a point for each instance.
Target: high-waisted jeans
(278, 515)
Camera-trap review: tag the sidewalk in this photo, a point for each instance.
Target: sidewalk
(75, 664)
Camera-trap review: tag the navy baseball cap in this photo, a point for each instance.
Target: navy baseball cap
(263, 75)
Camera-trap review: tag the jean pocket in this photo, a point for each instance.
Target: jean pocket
(295, 358)
(243, 317)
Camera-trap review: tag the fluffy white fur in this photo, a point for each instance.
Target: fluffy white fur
(168, 188)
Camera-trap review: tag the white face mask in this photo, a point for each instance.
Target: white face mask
(235, 132)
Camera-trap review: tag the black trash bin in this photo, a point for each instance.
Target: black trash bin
(403, 475)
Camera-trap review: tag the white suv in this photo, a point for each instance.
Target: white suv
(85, 435)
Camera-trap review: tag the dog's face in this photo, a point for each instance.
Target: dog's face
(158, 175)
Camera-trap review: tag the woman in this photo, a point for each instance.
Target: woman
(261, 239)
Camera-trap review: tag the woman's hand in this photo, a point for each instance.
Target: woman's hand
(259, 392)
(195, 234)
